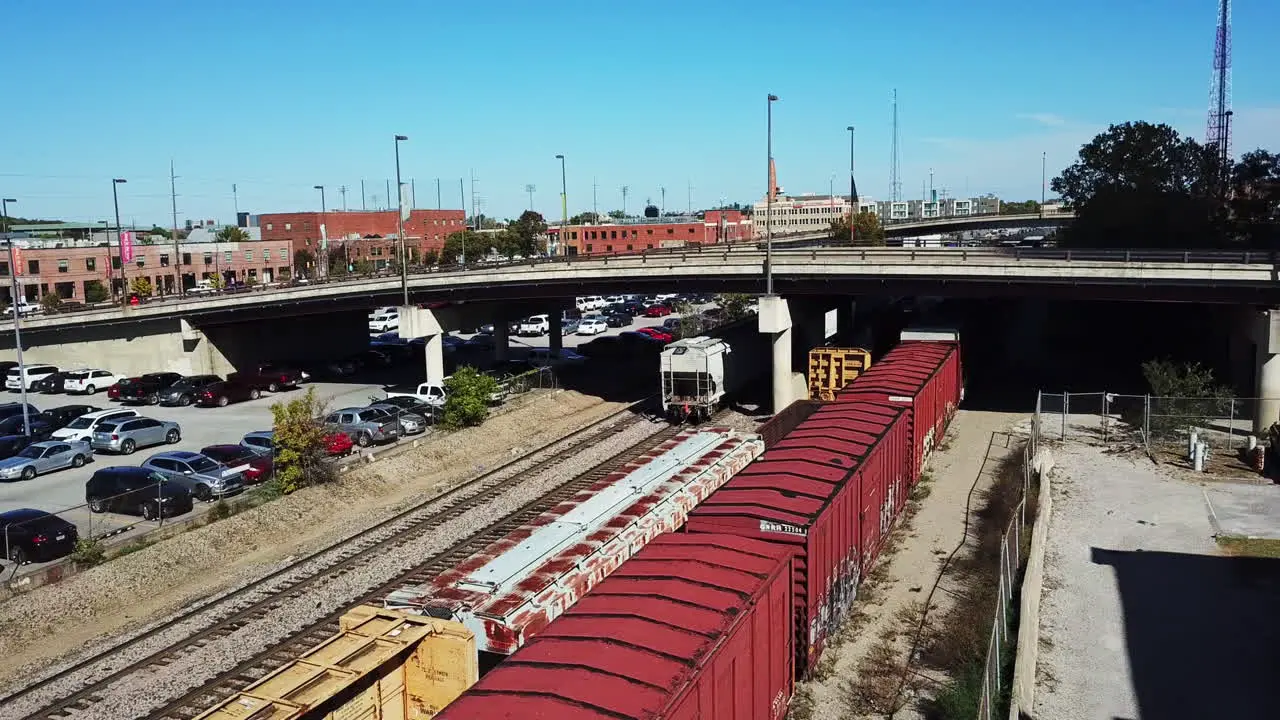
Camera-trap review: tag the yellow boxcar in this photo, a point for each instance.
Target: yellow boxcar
(832, 369)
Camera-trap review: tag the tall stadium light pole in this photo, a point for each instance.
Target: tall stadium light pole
(115, 199)
(564, 205)
(768, 204)
(404, 247)
(853, 184)
(17, 316)
(1044, 159)
(322, 263)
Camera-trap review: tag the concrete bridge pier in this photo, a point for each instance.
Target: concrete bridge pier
(775, 320)
(417, 322)
(1267, 410)
(501, 338)
(555, 338)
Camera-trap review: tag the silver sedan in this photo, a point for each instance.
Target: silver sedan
(128, 434)
(43, 457)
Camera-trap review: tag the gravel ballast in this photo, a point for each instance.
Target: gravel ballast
(90, 611)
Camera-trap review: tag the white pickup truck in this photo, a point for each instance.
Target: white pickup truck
(433, 394)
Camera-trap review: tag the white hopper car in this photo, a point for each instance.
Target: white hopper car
(699, 374)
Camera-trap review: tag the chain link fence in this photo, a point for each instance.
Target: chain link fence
(1014, 544)
(1153, 423)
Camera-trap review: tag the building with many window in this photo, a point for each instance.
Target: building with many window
(636, 234)
(424, 230)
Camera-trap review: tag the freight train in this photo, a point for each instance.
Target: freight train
(718, 620)
(699, 375)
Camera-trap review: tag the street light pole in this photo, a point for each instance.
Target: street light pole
(1043, 166)
(564, 205)
(853, 185)
(17, 316)
(768, 204)
(322, 263)
(404, 248)
(115, 199)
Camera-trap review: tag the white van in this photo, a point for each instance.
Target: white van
(21, 377)
(384, 320)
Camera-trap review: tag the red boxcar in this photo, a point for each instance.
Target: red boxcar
(829, 491)
(693, 627)
(924, 377)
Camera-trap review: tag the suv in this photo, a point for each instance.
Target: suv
(142, 389)
(8, 410)
(83, 427)
(185, 391)
(137, 491)
(364, 425)
(20, 378)
(28, 535)
(89, 381)
(60, 417)
(261, 441)
(534, 325)
(384, 319)
(205, 477)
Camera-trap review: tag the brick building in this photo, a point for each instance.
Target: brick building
(635, 234)
(359, 234)
(66, 271)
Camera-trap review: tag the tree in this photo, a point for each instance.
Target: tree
(50, 302)
(217, 281)
(467, 394)
(141, 287)
(617, 214)
(471, 244)
(586, 218)
(1183, 395)
(231, 233)
(734, 305)
(1141, 185)
(157, 230)
(529, 229)
(1026, 207)
(299, 436)
(431, 258)
(95, 292)
(1255, 199)
(863, 230)
(303, 261)
(362, 267)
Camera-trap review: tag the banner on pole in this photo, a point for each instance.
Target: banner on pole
(406, 205)
(17, 259)
(126, 246)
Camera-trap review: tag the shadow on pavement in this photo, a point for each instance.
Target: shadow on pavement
(1202, 633)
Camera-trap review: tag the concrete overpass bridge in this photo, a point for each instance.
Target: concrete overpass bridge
(217, 334)
(907, 228)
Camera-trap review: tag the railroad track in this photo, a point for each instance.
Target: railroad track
(260, 598)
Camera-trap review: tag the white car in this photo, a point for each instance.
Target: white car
(20, 378)
(614, 300)
(535, 325)
(384, 320)
(89, 381)
(83, 427)
(24, 308)
(592, 326)
(590, 302)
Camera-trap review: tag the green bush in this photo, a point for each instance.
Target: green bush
(88, 552)
(959, 698)
(220, 511)
(301, 460)
(468, 392)
(95, 292)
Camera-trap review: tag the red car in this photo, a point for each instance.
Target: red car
(338, 443)
(257, 468)
(657, 333)
(657, 311)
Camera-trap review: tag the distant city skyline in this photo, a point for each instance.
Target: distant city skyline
(279, 98)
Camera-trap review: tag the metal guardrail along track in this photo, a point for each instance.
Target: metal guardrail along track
(258, 599)
(245, 674)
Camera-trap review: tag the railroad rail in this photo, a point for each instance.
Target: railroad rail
(258, 599)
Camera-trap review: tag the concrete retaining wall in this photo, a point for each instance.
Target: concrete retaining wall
(1022, 696)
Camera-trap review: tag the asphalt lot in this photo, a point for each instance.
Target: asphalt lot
(62, 492)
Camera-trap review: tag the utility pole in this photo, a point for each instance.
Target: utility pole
(663, 209)
(895, 170)
(768, 212)
(853, 185)
(342, 190)
(389, 194)
(439, 202)
(404, 245)
(115, 199)
(17, 316)
(363, 205)
(625, 189)
(475, 216)
(595, 211)
(177, 256)
(529, 189)
(413, 193)
(1043, 166)
(462, 193)
(689, 195)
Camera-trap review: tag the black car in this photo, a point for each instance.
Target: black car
(144, 388)
(136, 491)
(410, 405)
(50, 383)
(8, 410)
(185, 391)
(633, 308)
(58, 417)
(234, 389)
(617, 320)
(11, 445)
(601, 347)
(16, 425)
(6, 366)
(28, 535)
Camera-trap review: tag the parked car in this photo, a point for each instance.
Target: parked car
(592, 326)
(60, 417)
(364, 426)
(482, 342)
(410, 423)
(384, 319)
(206, 478)
(43, 457)
(617, 319)
(143, 388)
(17, 425)
(568, 326)
(89, 381)
(29, 535)
(137, 491)
(337, 444)
(541, 357)
(185, 391)
(22, 377)
(262, 442)
(534, 325)
(270, 377)
(635, 341)
(83, 427)
(50, 383)
(126, 435)
(254, 466)
(659, 310)
(233, 389)
(11, 409)
(11, 445)
(409, 404)
(602, 347)
(657, 333)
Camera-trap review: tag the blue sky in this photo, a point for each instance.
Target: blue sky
(280, 96)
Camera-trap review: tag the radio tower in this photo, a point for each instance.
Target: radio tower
(1218, 135)
(895, 175)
